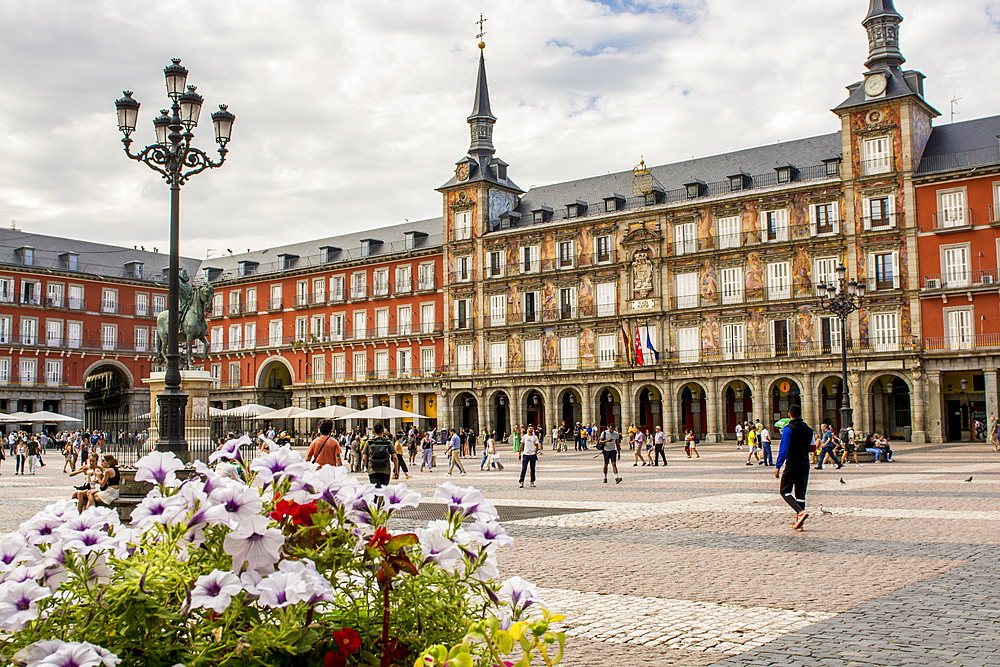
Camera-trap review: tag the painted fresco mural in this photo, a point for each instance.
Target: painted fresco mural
(798, 220)
(710, 338)
(756, 330)
(709, 283)
(754, 277)
(550, 309)
(585, 296)
(515, 356)
(585, 247)
(549, 348)
(804, 329)
(801, 268)
(587, 339)
(513, 303)
(751, 223)
(705, 231)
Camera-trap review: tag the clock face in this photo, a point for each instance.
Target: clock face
(875, 85)
(462, 171)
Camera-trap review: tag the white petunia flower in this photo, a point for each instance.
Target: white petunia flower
(19, 603)
(254, 545)
(436, 547)
(215, 591)
(159, 468)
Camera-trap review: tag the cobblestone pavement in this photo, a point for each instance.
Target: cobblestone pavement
(694, 564)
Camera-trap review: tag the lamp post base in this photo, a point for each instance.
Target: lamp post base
(171, 406)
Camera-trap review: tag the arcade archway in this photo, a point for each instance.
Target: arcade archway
(889, 407)
(570, 408)
(739, 405)
(609, 408)
(692, 414)
(649, 408)
(105, 401)
(466, 411)
(500, 408)
(534, 409)
(784, 393)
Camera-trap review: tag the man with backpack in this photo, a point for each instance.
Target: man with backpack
(609, 443)
(377, 455)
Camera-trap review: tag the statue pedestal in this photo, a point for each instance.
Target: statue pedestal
(197, 426)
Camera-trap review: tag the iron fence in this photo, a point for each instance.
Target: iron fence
(129, 439)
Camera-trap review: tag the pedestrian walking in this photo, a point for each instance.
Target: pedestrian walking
(325, 449)
(32, 455)
(377, 455)
(659, 440)
(610, 443)
(637, 439)
(401, 459)
(792, 466)
(765, 446)
(427, 453)
(67, 452)
(515, 439)
(995, 433)
(530, 448)
(473, 441)
(454, 449)
(739, 436)
(827, 447)
(752, 443)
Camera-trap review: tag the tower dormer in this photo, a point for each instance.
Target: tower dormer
(882, 24)
(481, 120)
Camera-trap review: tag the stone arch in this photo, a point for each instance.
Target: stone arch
(889, 403)
(736, 401)
(692, 401)
(465, 410)
(568, 407)
(828, 394)
(498, 406)
(119, 366)
(108, 384)
(266, 366)
(649, 403)
(533, 407)
(608, 408)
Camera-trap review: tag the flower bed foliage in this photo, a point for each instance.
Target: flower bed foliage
(301, 570)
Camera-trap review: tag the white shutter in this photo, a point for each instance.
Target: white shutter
(687, 290)
(866, 212)
(812, 220)
(532, 355)
(896, 273)
(835, 212)
(568, 353)
(871, 272)
(892, 210)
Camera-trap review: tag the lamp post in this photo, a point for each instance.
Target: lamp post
(842, 298)
(176, 160)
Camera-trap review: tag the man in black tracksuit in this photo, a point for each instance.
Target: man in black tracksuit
(796, 439)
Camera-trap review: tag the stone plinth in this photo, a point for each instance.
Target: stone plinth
(196, 384)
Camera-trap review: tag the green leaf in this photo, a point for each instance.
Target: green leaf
(504, 640)
(458, 649)
(461, 660)
(400, 541)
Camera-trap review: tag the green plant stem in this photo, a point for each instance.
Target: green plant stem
(386, 587)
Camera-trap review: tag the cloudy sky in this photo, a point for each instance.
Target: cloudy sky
(350, 112)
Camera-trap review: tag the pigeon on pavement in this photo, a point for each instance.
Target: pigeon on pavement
(969, 480)
(842, 481)
(824, 510)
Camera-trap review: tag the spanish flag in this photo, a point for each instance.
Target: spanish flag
(627, 341)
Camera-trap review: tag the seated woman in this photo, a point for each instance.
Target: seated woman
(90, 469)
(109, 481)
(879, 447)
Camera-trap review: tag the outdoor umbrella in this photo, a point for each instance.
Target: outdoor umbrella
(385, 412)
(329, 412)
(46, 416)
(15, 417)
(215, 412)
(290, 412)
(248, 410)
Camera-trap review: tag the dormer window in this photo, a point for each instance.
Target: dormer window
(832, 166)
(499, 168)
(542, 214)
(211, 273)
(787, 173)
(695, 189)
(26, 256)
(615, 202)
(412, 239)
(133, 270)
(368, 246)
(509, 219)
(328, 253)
(655, 196)
(740, 181)
(576, 209)
(247, 268)
(286, 261)
(70, 261)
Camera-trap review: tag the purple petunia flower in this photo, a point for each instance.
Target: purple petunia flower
(57, 653)
(437, 548)
(281, 462)
(215, 591)
(489, 532)
(522, 593)
(235, 504)
(467, 502)
(397, 496)
(19, 603)
(254, 545)
(159, 468)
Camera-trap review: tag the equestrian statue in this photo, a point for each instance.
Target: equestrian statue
(193, 323)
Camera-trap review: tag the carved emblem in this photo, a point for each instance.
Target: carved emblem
(462, 171)
(642, 274)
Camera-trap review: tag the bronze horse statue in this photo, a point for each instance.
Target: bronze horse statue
(193, 325)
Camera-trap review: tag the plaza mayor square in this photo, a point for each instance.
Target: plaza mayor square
(326, 369)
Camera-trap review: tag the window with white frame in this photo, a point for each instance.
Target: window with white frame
(216, 306)
(567, 303)
(879, 212)
(607, 350)
(74, 335)
(498, 310)
(275, 332)
(141, 303)
(359, 365)
(109, 301)
(404, 279)
(530, 306)
(732, 285)
(359, 325)
(274, 303)
(687, 290)
(76, 302)
(301, 329)
(250, 335)
(960, 329)
(235, 337)
(216, 339)
(778, 281)
(463, 358)
(463, 268)
(53, 372)
(109, 336)
(884, 332)
(779, 337)
(337, 326)
(495, 264)
(382, 364)
(29, 331)
(602, 249)
(566, 255)
(5, 330)
(877, 156)
(53, 333)
(463, 225)
(251, 303)
(498, 357)
(4, 370)
(776, 225)
(404, 363)
(729, 232)
(381, 322)
(831, 340)
(26, 370)
(54, 297)
(318, 290)
(951, 209)
(685, 236)
(883, 270)
(428, 361)
(533, 354)
(301, 293)
(316, 327)
(216, 375)
(732, 341)
(529, 259)
(569, 352)
(606, 299)
(824, 218)
(6, 290)
(359, 285)
(141, 339)
(337, 288)
(381, 279)
(338, 370)
(404, 320)
(688, 344)
(826, 272)
(955, 261)
(31, 292)
(427, 318)
(463, 313)
(425, 276)
(234, 374)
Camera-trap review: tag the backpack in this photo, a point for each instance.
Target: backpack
(379, 453)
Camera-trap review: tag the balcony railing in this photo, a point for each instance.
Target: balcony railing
(426, 283)
(778, 234)
(369, 333)
(879, 165)
(887, 221)
(962, 279)
(274, 304)
(960, 218)
(142, 310)
(359, 291)
(882, 284)
(404, 286)
(234, 309)
(967, 341)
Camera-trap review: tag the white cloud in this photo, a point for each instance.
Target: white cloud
(349, 114)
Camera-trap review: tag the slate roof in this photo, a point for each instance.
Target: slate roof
(98, 259)
(899, 83)
(309, 253)
(964, 145)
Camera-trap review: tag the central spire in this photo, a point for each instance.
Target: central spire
(482, 119)
(882, 24)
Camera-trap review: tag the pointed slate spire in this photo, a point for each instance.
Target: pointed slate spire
(482, 119)
(882, 24)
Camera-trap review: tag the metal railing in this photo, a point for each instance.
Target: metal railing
(792, 348)
(882, 284)
(952, 219)
(966, 341)
(880, 165)
(129, 439)
(368, 333)
(274, 304)
(962, 279)
(234, 309)
(964, 160)
(885, 221)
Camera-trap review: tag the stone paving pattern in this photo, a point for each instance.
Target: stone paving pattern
(694, 564)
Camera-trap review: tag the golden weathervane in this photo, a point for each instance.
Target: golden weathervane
(482, 33)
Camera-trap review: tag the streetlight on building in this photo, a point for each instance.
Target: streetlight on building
(842, 298)
(176, 160)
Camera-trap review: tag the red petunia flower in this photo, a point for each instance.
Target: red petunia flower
(348, 640)
(334, 659)
(380, 537)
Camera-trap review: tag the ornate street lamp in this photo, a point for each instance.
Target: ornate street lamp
(842, 298)
(174, 158)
